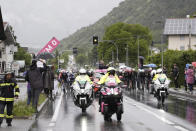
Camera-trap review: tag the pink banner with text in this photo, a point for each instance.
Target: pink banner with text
(50, 46)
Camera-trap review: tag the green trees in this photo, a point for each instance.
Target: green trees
(123, 34)
(22, 55)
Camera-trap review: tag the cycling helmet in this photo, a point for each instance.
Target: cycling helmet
(111, 71)
(159, 71)
(82, 71)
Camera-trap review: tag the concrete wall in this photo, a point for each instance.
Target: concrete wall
(181, 42)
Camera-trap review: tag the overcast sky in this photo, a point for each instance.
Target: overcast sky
(36, 21)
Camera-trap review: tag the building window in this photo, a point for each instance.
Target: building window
(182, 48)
(182, 37)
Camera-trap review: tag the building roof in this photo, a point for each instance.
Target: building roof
(182, 26)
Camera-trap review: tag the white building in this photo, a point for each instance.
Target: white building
(181, 33)
(7, 49)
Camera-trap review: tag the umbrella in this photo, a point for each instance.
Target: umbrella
(45, 55)
(152, 65)
(194, 64)
(141, 57)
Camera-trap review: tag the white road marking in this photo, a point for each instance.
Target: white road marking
(180, 128)
(56, 112)
(51, 124)
(181, 99)
(157, 116)
(49, 130)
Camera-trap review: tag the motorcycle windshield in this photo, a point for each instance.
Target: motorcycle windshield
(111, 82)
(82, 84)
(162, 80)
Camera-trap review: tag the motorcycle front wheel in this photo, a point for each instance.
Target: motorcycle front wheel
(118, 116)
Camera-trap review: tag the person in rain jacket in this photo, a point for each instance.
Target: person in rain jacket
(48, 77)
(8, 90)
(35, 78)
(82, 76)
(190, 78)
(110, 71)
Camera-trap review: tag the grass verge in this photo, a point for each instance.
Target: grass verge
(21, 109)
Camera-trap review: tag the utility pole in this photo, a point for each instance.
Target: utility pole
(138, 51)
(189, 34)
(127, 56)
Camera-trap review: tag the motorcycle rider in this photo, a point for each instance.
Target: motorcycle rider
(110, 72)
(159, 73)
(83, 75)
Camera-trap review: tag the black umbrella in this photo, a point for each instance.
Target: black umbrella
(45, 55)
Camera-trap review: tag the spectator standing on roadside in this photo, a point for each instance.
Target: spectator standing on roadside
(175, 74)
(48, 77)
(8, 91)
(185, 70)
(34, 77)
(164, 70)
(28, 90)
(190, 78)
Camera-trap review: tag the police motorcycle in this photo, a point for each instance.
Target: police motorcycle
(161, 85)
(82, 94)
(111, 99)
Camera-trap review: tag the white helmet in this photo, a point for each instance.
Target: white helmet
(153, 72)
(82, 71)
(159, 71)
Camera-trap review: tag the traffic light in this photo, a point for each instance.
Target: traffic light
(75, 51)
(95, 40)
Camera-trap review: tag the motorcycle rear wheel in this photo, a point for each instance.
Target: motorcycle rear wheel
(83, 110)
(107, 118)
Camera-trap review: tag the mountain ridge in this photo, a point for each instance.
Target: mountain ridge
(144, 12)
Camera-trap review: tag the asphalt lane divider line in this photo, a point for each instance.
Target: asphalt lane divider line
(157, 116)
(56, 113)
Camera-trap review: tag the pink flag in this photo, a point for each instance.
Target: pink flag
(50, 46)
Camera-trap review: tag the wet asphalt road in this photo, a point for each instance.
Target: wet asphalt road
(138, 116)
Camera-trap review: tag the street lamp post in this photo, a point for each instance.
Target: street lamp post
(162, 24)
(162, 50)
